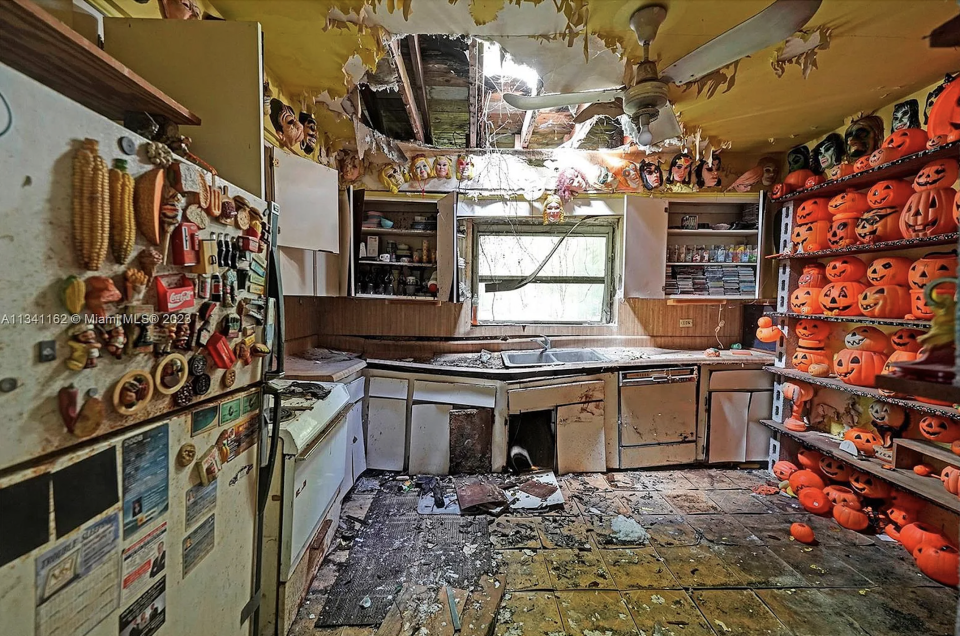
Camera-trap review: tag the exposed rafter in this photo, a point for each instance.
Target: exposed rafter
(475, 79)
(416, 62)
(406, 91)
(529, 119)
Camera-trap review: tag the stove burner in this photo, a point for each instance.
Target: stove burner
(305, 389)
(286, 414)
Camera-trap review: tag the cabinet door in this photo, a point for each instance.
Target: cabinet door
(658, 414)
(430, 439)
(297, 271)
(758, 435)
(645, 247)
(356, 455)
(447, 273)
(308, 196)
(386, 433)
(727, 436)
(581, 445)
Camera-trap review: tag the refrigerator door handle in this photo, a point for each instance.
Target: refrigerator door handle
(275, 291)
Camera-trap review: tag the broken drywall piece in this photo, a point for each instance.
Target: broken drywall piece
(801, 49)
(725, 76)
(627, 530)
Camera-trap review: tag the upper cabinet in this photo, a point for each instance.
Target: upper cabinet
(309, 203)
(212, 67)
(644, 236)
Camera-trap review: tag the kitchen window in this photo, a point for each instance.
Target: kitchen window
(574, 285)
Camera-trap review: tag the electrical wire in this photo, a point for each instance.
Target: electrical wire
(720, 323)
(6, 106)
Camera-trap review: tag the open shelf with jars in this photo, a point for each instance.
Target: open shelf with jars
(713, 248)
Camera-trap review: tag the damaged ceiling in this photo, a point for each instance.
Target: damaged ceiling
(876, 55)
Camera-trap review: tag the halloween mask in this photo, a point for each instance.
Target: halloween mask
(863, 136)
(798, 158)
(905, 115)
(630, 176)
(770, 171)
(443, 167)
(309, 142)
(420, 168)
(651, 174)
(350, 166)
(604, 180)
(680, 167)
(180, 9)
(392, 177)
(285, 123)
(570, 182)
(828, 153)
(708, 174)
(552, 209)
(464, 167)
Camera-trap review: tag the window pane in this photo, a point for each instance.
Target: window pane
(544, 302)
(519, 255)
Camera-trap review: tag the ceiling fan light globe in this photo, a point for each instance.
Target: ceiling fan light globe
(645, 137)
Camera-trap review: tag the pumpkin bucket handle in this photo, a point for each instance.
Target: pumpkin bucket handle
(928, 291)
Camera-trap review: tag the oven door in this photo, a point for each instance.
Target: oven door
(312, 482)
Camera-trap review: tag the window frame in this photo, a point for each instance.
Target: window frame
(606, 226)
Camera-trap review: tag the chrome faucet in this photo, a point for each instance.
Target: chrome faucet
(544, 342)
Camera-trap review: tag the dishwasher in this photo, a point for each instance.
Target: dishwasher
(658, 416)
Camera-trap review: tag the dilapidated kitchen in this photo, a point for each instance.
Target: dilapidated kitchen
(344, 318)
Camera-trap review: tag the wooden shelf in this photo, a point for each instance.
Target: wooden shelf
(928, 488)
(718, 233)
(834, 383)
(397, 264)
(922, 447)
(712, 264)
(931, 390)
(383, 230)
(423, 299)
(860, 320)
(707, 298)
(902, 244)
(44, 48)
(909, 165)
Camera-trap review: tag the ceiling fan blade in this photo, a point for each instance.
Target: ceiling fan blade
(611, 109)
(665, 126)
(774, 24)
(539, 102)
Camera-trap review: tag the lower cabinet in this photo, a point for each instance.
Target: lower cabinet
(735, 433)
(386, 433)
(581, 445)
(430, 439)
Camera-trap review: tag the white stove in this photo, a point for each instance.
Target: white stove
(307, 483)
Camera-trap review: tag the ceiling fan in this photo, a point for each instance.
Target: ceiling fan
(645, 103)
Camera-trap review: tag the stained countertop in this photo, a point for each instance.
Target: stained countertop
(490, 365)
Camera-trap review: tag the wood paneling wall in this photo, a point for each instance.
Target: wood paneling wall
(375, 326)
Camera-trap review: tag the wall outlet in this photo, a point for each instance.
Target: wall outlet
(686, 322)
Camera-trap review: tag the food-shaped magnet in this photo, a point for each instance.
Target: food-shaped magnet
(228, 210)
(135, 284)
(197, 364)
(186, 244)
(259, 350)
(147, 199)
(132, 392)
(90, 417)
(186, 455)
(84, 348)
(171, 374)
(229, 378)
(100, 292)
(148, 259)
(230, 325)
(73, 293)
(183, 396)
(242, 351)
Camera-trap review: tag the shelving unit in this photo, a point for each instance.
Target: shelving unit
(716, 233)
(839, 385)
(712, 264)
(860, 320)
(889, 246)
(930, 390)
(39, 45)
(928, 488)
(396, 232)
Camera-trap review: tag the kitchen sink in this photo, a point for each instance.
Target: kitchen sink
(550, 356)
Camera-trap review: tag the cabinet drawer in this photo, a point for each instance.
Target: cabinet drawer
(480, 395)
(657, 455)
(741, 380)
(658, 414)
(388, 388)
(547, 397)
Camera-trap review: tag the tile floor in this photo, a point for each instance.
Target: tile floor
(717, 561)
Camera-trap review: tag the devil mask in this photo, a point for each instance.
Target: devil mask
(863, 136)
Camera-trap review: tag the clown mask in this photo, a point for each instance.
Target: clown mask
(443, 167)
(420, 168)
(392, 177)
(552, 210)
(464, 167)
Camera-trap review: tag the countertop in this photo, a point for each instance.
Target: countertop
(617, 359)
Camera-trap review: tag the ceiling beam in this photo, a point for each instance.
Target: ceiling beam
(406, 91)
(475, 83)
(416, 61)
(529, 119)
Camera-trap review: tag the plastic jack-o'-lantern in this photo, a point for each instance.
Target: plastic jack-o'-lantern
(814, 501)
(806, 300)
(866, 338)
(950, 477)
(798, 178)
(929, 213)
(879, 225)
(913, 535)
(861, 164)
(814, 181)
(841, 299)
(811, 237)
(846, 268)
(802, 533)
(843, 496)
(805, 479)
(851, 518)
(892, 193)
(783, 469)
(859, 368)
(869, 486)
(813, 275)
(766, 330)
(940, 429)
(885, 301)
(815, 330)
(940, 564)
(781, 190)
(849, 205)
(809, 459)
(937, 175)
(905, 348)
(804, 357)
(899, 144)
(835, 469)
(893, 270)
(888, 419)
(864, 440)
(843, 233)
(943, 124)
(813, 210)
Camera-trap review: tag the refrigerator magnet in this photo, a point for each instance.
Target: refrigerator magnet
(132, 392)
(171, 374)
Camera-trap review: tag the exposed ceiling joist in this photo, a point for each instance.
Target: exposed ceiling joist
(476, 92)
(406, 92)
(416, 62)
(529, 119)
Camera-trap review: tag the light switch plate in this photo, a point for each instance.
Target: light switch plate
(686, 322)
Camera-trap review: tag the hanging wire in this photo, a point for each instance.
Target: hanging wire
(6, 106)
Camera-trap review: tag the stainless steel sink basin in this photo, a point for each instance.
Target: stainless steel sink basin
(551, 356)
